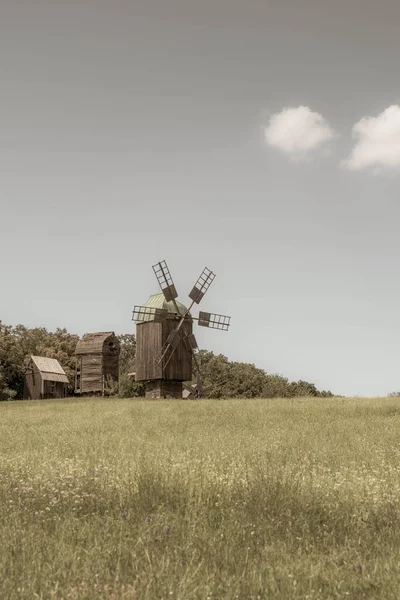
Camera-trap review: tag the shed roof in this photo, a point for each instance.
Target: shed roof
(54, 377)
(159, 301)
(50, 369)
(93, 342)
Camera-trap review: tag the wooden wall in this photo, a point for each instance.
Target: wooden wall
(150, 338)
(57, 390)
(33, 383)
(179, 367)
(91, 373)
(94, 366)
(148, 346)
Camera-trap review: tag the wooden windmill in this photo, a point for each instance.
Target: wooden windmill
(166, 347)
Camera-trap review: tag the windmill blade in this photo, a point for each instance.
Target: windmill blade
(173, 338)
(192, 347)
(201, 390)
(169, 347)
(202, 285)
(199, 384)
(142, 314)
(165, 281)
(214, 321)
(192, 343)
(191, 389)
(198, 390)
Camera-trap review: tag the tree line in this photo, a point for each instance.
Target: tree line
(227, 379)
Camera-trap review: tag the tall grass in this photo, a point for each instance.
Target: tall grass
(246, 499)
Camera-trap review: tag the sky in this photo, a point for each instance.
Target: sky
(260, 139)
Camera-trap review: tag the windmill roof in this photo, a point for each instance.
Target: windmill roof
(159, 301)
(50, 368)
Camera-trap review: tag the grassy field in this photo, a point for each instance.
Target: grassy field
(200, 500)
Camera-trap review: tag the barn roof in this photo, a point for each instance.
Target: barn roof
(54, 377)
(93, 342)
(159, 301)
(50, 369)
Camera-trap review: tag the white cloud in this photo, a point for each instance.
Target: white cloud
(378, 141)
(298, 131)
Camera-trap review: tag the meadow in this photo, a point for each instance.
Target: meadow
(228, 499)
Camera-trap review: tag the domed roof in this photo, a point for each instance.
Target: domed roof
(94, 342)
(159, 301)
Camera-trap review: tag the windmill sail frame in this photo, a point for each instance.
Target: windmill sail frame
(180, 338)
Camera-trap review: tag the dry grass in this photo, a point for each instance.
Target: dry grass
(200, 500)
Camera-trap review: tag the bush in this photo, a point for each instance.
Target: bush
(5, 392)
(128, 388)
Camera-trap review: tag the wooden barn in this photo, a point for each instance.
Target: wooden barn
(44, 379)
(151, 336)
(97, 362)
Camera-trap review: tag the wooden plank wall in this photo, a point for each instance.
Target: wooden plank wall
(150, 338)
(179, 367)
(148, 345)
(33, 383)
(58, 391)
(78, 374)
(91, 373)
(95, 362)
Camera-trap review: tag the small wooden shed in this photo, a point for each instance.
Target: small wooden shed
(44, 378)
(97, 362)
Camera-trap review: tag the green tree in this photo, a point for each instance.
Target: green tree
(226, 379)
(275, 386)
(127, 355)
(128, 387)
(302, 388)
(18, 343)
(5, 392)
(244, 380)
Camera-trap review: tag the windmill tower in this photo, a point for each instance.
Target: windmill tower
(166, 347)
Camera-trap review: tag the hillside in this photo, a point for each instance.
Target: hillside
(227, 379)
